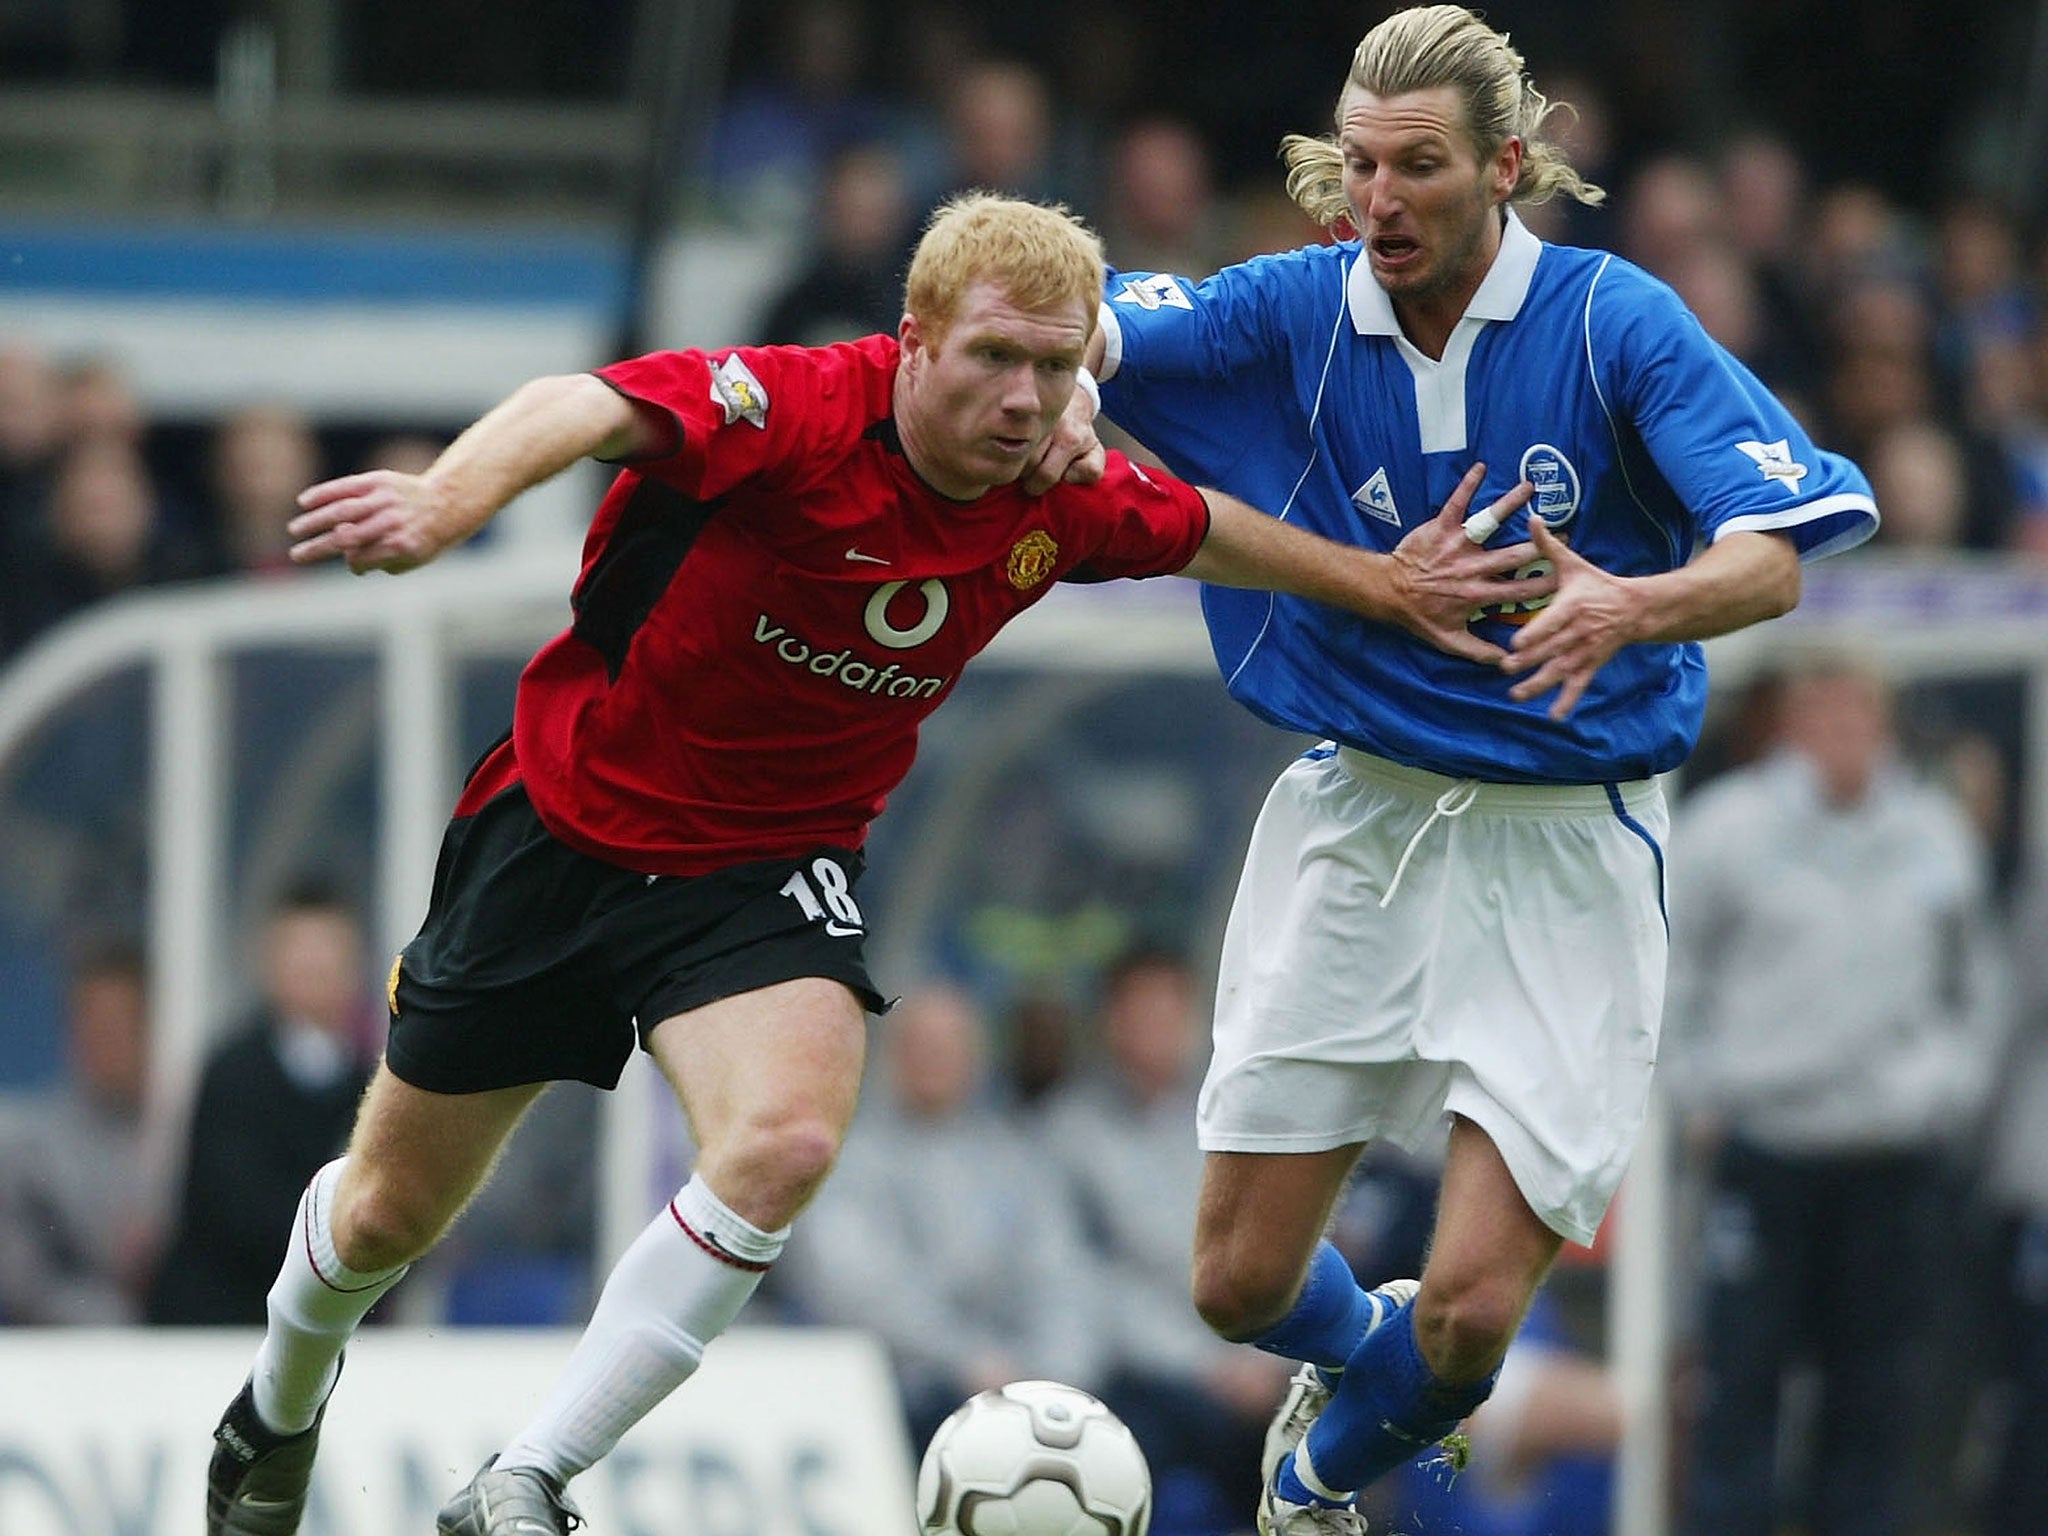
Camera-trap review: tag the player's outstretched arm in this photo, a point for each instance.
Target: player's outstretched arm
(385, 521)
(1740, 580)
(1430, 584)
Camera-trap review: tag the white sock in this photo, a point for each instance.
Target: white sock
(314, 1306)
(679, 1286)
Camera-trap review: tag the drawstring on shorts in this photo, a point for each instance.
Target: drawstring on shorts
(1454, 801)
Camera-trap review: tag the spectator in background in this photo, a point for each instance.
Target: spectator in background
(1671, 208)
(1120, 1136)
(104, 532)
(778, 133)
(1161, 214)
(31, 425)
(999, 133)
(30, 433)
(1856, 233)
(1918, 472)
(96, 399)
(2018, 1191)
(1872, 388)
(1980, 291)
(1720, 288)
(934, 1234)
(1765, 216)
(1887, 312)
(1834, 1014)
(262, 456)
(275, 1102)
(853, 283)
(1881, 374)
(81, 1212)
(2003, 402)
(1039, 1042)
(1741, 726)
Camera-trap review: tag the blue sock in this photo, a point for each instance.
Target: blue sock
(1389, 1407)
(1327, 1320)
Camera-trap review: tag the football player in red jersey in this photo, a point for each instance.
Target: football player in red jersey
(801, 550)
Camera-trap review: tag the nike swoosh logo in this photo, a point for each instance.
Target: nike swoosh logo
(840, 930)
(854, 554)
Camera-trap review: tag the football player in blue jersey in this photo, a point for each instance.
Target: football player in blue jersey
(1454, 906)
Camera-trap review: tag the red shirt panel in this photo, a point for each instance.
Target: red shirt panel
(766, 615)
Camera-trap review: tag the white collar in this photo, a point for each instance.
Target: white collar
(1499, 296)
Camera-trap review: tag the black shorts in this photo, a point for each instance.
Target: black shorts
(538, 963)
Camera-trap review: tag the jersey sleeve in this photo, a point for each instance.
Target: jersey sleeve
(1159, 326)
(1738, 459)
(1192, 369)
(740, 414)
(1138, 521)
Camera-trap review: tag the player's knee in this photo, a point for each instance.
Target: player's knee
(375, 1227)
(1239, 1300)
(1464, 1330)
(781, 1164)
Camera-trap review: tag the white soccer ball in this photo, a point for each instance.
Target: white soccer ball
(1034, 1458)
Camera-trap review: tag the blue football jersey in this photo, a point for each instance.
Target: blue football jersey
(1287, 382)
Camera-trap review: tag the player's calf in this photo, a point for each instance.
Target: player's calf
(1389, 1408)
(1310, 1391)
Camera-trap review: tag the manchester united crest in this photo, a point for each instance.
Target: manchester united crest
(1031, 560)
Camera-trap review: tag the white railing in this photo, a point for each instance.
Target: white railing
(1947, 623)
(182, 638)
(419, 628)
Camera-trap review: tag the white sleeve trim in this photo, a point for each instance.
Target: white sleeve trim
(1112, 343)
(1084, 381)
(1807, 512)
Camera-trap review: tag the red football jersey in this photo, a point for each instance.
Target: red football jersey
(767, 614)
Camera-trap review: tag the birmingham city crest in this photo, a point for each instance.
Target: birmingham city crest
(1557, 484)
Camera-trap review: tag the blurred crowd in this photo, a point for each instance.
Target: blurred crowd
(1909, 336)
(96, 498)
(1019, 1199)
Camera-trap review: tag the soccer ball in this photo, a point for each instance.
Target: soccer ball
(1034, 1458)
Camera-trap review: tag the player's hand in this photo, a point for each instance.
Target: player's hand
(1072, 453)
(1441, 576)
(380, 520)
(1592, 616)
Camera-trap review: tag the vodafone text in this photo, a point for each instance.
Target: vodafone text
(849, 669)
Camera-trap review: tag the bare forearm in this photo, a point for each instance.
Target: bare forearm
(1246, 548)
(535, 433)
(382, 520)
(1743, 579)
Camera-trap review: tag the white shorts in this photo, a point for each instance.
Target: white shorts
(1515, 978)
